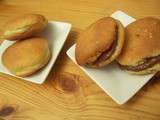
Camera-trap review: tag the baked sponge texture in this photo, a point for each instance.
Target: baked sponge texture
(25, 57)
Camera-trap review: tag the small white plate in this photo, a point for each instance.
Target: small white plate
(56, 34)
(118, 84)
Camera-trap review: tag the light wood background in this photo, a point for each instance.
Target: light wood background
(68, 94)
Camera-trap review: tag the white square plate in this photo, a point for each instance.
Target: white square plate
(56, 34)
(118, 84)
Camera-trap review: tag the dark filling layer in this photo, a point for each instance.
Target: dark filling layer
(148, 62)
(109, 52)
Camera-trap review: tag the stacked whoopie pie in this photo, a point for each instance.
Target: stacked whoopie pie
(141, 52)
(136, 48)
(30, 52)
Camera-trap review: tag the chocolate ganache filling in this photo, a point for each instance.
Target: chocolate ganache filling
(109, 52)
(148, 62)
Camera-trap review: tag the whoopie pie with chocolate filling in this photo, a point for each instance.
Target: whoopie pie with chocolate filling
(100, 43)
(141, 52)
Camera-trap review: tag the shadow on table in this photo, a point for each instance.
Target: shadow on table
(62, 56)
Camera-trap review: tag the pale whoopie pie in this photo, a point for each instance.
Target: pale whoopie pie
(23, 26)
(141, 52)
(100, 43)
(25, 57)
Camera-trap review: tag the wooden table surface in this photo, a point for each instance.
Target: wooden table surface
(68, 94)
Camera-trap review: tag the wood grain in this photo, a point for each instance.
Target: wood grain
(68, 94)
